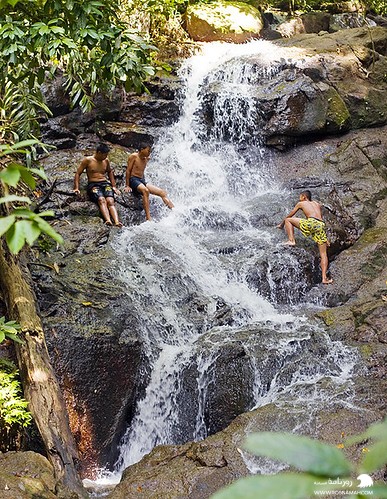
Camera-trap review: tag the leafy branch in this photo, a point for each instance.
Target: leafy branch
(324, 469)
(21, 226)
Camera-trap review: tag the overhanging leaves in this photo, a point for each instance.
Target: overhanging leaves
(283, 486)
(301, 452)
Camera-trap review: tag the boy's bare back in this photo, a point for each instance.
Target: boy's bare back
(310, 209)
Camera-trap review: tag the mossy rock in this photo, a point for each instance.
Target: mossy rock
(229, 21)
(25, 475)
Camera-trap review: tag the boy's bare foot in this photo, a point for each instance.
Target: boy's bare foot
(168, 203)
(108, 222)
(327, 281)
(289, 243)
(119, 224)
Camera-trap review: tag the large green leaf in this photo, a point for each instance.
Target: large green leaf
(376, 457)
(47, 229)
(24, 143)
(377, 431)
(14, 338)
(30, 229)
(10, 175)
(282, 486)
(376, 492)
(301, 452)
(15, 238)
(12, 198)
(5, 223)
(28, 178)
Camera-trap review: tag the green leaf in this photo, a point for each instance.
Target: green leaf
(14, 338)
(10, 175)
(28, 178)
(2, 336)
(47, 213)
(15, 238)
(12, 198)
(31, 230)
(376, 457)
(39, 171)
(5, 223)
(47, 229)
(377, 431)
(377, 491)
(282, 486)
(301, 452)
(25, 143)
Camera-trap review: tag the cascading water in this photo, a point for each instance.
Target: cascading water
(188, 272)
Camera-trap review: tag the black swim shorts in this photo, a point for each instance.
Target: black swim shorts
(134, 182)
(97, 190)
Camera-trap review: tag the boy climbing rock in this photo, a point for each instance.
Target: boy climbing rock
(313, 226)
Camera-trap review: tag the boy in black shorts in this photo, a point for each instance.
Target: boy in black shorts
(99, 189)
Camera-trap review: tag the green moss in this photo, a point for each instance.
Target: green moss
(328, 317)
(337, 112)
(366, 350)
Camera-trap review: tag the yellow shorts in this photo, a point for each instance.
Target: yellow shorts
(314, 228)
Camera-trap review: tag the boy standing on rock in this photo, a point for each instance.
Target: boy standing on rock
(99, 189)
(135, 180)
(312, 226)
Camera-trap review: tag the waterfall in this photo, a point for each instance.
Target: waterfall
(189, 271)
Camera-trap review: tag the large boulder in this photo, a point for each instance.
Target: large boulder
(24, 475)
(319, 85)
(223, 20)
(197, 470)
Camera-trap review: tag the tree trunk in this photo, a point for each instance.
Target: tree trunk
(41, 387)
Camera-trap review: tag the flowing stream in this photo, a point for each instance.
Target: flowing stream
(190, 271)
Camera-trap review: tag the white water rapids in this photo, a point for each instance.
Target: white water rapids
(192, 264)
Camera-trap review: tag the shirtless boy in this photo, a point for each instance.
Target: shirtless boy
(135, 180)
(100, 190)
(312, 226)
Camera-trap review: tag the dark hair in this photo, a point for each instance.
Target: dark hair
(103, 148)
(143, 145)
(307, 194)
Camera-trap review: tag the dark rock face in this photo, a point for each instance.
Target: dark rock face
(125, 119)
(91, 339)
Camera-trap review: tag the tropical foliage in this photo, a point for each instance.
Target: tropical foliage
(19, 224)
(83, 39)
(13, 408)
(324, 469)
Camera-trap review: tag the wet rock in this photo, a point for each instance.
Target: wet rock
(293, 103)
(55, 134)
(197, 470)
(147, 110)
(91, 337)
(314, 22)
(55, 95)
(129, 135)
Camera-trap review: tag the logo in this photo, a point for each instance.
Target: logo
(365, 481)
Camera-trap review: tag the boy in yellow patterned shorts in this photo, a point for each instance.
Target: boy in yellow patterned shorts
(313, 226)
